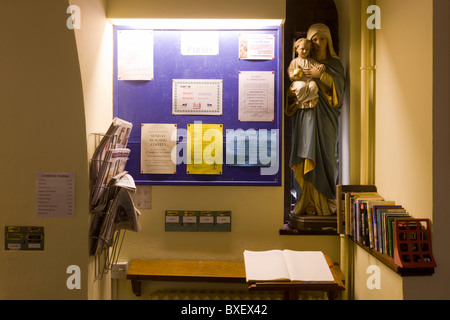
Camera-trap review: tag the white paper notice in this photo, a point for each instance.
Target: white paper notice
(197, 96)
(55, 194)
(135, 54)
(199, 43)
(256, 96)
(157, 142)
(257, 46)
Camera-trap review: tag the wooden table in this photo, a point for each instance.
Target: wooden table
(223, 271)
(184, 270)
(292, 289)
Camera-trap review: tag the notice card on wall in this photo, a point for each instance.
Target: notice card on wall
(257, 46)
(55, 194)
(204, 148)
(196, 43)
(135, 54)
(256, 96)
(197, 97)
(157, 142)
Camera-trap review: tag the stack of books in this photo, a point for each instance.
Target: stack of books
(370, 219)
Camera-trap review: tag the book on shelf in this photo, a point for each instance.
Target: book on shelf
(371, 222)
(359, 203)
(378, 213)
(390, 231)
(287, 265)
(370, 219)
(380, 225)
(345, 195)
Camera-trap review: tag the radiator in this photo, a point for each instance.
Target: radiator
(229, 295)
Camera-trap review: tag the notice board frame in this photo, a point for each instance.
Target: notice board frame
(151, 101)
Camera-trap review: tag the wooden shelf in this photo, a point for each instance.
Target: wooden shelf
(287, 230)
(389, 262)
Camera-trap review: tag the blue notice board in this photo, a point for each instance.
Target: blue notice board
(150, 101)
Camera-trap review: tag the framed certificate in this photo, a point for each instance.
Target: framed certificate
(197, 97)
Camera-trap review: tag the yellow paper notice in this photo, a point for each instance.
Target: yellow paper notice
(204, 148)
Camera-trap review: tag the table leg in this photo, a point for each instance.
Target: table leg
(136, 287)
(332, 295)
(291, 294)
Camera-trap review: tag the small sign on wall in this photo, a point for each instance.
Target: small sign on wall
(24, 238)
(55, 194)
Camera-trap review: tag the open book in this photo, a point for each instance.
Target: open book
(286, 265)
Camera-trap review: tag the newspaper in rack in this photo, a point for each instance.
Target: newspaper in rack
(113, 164)
(121, 180)
(110, 198)
(116, 212)
(116, 137)
(121, 215)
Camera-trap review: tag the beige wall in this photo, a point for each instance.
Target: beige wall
(410, 162)
(389, 284)
(43, 129)
(94, 44)
(349, 12)
(437, 287)
(404, 141)
(199, 9)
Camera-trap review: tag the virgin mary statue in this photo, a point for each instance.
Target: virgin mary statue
(315, 130)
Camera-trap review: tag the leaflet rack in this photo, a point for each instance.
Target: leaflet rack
(412, 248)
(105, 237)
(108, 255)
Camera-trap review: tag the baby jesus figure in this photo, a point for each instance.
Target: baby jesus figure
(303, 92)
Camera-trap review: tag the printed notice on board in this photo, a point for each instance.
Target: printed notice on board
(157, 142)
(204, 148)
(256, 96)
(135, 54)
(55, 194)
(251, 147)
(199, 43)
(257, 46)
(197, 97)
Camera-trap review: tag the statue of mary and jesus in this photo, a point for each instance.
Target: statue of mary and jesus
(314, 101)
